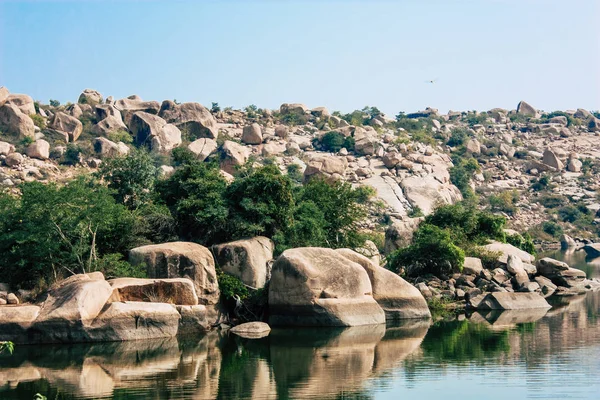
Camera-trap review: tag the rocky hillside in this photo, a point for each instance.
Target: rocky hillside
(540, 170)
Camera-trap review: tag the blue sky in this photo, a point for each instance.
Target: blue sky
(339, 54)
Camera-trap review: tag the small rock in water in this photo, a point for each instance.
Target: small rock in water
(251, 330)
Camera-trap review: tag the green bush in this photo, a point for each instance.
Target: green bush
(431, 252)
(334, 141)
(569, 213)
(458, 137)
(51, 231)
(540, 184)
(552, 228)
(195, 196)
(54, 103)
(131, 176)
(505, 201)
(215, 107)
(461, 174)
(552, 201)
(523, 242)
(294, 172)
(120, 136)
(72, 154)
(230, 286)
(259, 203)
(38, 121)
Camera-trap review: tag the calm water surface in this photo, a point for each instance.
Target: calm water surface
(525, 355)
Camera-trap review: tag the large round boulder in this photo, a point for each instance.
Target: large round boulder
(69, 127)
(252, 134)
(14, 122)
(246, 259)
(319, 287)
(181, 260)
(90, 96)
(70, 307)
(398, 298)
(193, 118)
(154, 132)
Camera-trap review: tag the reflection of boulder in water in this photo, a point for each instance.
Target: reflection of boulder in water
(323, 362)
(245, 372)
(399, 341)
(561, 304)
(97, 370)
(508, 318)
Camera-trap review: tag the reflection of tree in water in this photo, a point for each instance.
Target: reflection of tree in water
(459, 341)
(456, 342)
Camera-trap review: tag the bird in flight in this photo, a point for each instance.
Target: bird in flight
(432, 81)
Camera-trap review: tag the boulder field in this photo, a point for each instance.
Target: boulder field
(308, 287)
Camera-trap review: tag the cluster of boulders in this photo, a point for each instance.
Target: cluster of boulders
(408, 176)
(307, 287)
(517, 272)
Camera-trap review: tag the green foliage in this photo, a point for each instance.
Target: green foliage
(552, 201)
(26, 141)
(468, 225)
(519, 118)
(195, 196)
(230, 286)
(38, 121)
(54, 230)
(474, 118)
(416, 212)
(458, 137)
(431, 252)
(464, 341)
(7, 346)
(121, 136)
(294, 172)
(334, 141)
(259, 203)
(72, 154)
(293, 119)
(461, 174)
(215, 107)
(251, 111)
(131, 176)
(505, 201)
(552, 228)
(113, 266)
(54, 103)
(541, 184)
(547, 117)
(523, 242)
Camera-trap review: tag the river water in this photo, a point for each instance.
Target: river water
(523, 355)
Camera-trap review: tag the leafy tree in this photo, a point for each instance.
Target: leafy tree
(54, 103)
(215, 107)
(342, 210)
(54, 230)
(131, 176)
(431, 252)
(552, 228)
(195, 196)
(260, 203)
(458, 137)
(334, 141)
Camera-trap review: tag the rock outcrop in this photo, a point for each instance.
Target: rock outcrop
(246, 259)
(192, 118)
(181, 260)
(319, 287)
(398, 298)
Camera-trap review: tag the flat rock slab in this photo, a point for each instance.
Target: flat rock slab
(512, 301)
(251, 330)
